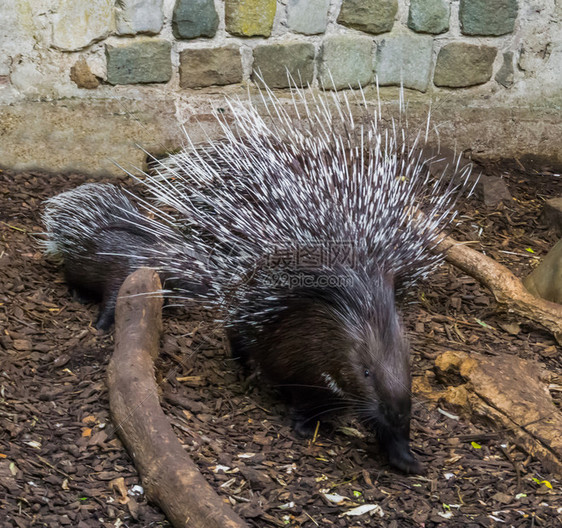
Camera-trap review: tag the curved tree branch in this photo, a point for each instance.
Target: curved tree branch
(169, 476)
(505, 286)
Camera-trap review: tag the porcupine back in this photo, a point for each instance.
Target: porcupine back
(306, 177)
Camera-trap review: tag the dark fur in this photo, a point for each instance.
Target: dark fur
(352, 334)
(96, 275)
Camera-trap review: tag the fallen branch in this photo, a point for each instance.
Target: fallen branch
(170, 478)
(505, 286)
(506, 390)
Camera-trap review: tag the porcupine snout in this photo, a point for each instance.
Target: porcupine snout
(381, 360)
(393, 434)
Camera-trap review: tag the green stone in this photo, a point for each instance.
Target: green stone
(487, 17)
(371, 16)
(141, 61)
(429, 16)
(405, 60)
(337, 71)
(194, 18)
(460, 65)
(250, 18)
(275, 62)
(309, 17)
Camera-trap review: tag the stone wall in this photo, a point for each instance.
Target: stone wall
(82, 80)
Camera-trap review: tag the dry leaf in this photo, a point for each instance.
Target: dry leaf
(118, 485)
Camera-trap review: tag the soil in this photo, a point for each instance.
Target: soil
(60, 465)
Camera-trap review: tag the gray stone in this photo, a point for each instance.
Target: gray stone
(494, 190)
(140, 61)
(552, 214)
(546, 279)
(80, 22)
(487, 17)
(86, 135)
(505, 73)
(460, 65)
(274, 62)
(309, 17)
(429, 16)
(138, 16)
(211, 66)
(445, 163)
(405, 59)
(195, 18)
(337, 71)
(371, 16)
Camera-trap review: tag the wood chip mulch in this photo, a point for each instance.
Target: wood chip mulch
(60, 465)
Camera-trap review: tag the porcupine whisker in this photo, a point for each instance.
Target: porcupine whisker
(368, 423)
(329, 410)
(364, 405)
(327, 407)
(170, 295)
(332, 404)
(300, 385)
(151, 294)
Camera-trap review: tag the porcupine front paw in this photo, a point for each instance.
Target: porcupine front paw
(406, 462)
(239, 350)
(80, 296)
(401, 457)
(303, 423)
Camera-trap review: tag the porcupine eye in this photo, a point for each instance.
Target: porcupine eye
(367, 373)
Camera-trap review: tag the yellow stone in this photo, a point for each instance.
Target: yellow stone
(450, 361)
(250, 18)
(457, 397)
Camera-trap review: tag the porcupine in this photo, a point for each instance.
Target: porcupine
(100, 237)
(321, 214)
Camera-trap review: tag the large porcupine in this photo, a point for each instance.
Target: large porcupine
(100, 237)
(308, 221)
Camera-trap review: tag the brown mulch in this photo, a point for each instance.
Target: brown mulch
(60, 465)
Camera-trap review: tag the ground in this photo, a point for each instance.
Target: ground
(59, 466)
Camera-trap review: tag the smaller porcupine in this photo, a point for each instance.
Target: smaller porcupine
(317, 217)
(101, 237)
